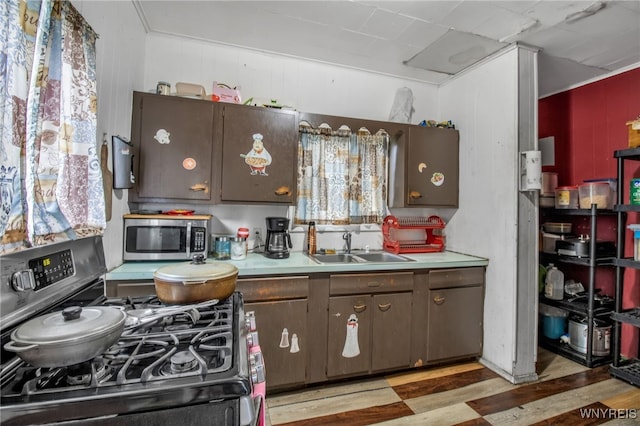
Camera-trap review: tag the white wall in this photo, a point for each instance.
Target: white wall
(120, 49)
(308, 86)
(483, 104)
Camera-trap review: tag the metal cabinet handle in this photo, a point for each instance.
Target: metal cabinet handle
(438, 300)
(384, 307)
(415, 195)
(359, 308)
(200, 187)
(283, 190)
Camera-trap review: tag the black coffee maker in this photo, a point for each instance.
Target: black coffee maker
(278, 239)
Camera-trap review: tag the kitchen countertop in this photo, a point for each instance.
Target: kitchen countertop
(299, 263)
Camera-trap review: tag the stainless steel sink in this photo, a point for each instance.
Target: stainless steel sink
(382, 256)
(335, 258)
(371, 257)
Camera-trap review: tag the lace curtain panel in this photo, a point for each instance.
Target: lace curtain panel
(50, 181)
(342, 176)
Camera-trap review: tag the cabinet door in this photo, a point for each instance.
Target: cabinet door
(175, 139)
(348, 349)
(282, 333)
(259, 153)
(391, 331)
(432, 167)
(454, 323)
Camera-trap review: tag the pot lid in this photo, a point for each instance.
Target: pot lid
(74, 323)
(197, 270)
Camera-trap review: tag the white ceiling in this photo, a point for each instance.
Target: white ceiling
(422, 40)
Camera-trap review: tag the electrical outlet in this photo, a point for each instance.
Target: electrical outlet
(259, 230)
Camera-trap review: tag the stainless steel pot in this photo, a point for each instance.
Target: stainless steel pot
(67, 337)
(601, 336)
(194, 282)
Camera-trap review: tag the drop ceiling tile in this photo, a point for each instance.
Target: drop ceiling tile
(341, 14)
(631, 5)
(609, 53)
(586, 51)
(454, 52)
(390, 51)
(504, 24)
(421, 34)
(386, 25)
(468, 16)
(600, 24)
(552, 40)
(519, 7)
(429, 11)
(550, 13)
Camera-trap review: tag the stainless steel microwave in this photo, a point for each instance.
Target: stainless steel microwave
(165, 237)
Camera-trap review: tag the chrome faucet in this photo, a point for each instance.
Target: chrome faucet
(347, 237)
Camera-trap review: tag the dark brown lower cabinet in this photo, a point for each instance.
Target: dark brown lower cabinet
(280, 307)
(368, 333)
(454, 314)
(282, 331)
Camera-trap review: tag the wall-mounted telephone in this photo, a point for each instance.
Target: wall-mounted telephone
(123, 154)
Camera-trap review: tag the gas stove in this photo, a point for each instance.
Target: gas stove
(197, 365)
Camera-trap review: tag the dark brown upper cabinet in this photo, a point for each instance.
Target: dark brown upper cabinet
(174, 137)
(425, 168)
(259, 154)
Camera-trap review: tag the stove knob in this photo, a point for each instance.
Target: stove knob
(256, 358)
(252, 339)
(23, 280)
(257, 370)
(250, 321)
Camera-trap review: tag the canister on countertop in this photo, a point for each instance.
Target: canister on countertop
(244, 233)
(311, 238)
(223, 248)
(238, 248)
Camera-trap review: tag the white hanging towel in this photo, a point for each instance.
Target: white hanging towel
(351, 348)
(402, 108)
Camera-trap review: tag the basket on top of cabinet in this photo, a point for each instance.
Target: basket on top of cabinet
(413, 234)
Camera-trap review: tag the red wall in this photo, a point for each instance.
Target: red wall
(588, 125)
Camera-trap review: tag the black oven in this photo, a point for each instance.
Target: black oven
(185, 365)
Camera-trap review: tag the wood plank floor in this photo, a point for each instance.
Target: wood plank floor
(465, 394)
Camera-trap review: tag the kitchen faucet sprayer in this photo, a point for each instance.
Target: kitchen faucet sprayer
(347, 237)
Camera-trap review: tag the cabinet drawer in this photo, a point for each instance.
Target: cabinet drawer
(276, 288)
(371, 283)
(459, 277)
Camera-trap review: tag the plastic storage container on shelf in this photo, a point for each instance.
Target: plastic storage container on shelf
(554, 283)
(554, 321)
(567, 197)
(636, 240)
(598, 193)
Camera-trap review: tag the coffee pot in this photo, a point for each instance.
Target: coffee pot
(278, 239)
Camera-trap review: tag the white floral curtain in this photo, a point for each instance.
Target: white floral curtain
(50, 179)
(342, 176)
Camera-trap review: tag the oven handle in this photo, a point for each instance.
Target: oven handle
(258, 403)
(188, 242)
